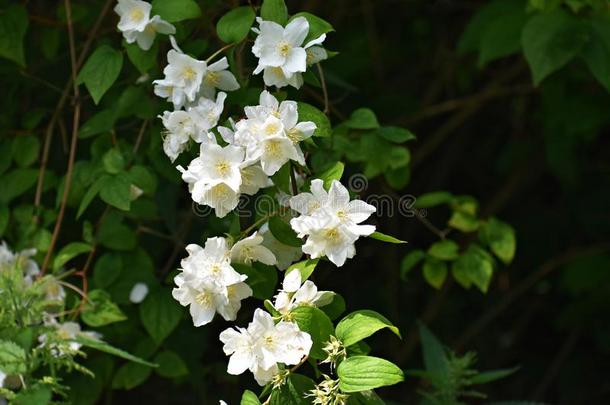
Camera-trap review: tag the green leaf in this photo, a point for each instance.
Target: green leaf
(13, 26)
(293, 391)
(596, 53)
(115, 191)
(435, 359)
(35, 395)
(334, 172)
(335, 308)
(69, 252)
(361, 324)
(395, 134)
(368, 397)
(25, 150)
(500, 237)
(488, 376)
(115, 235)
(362, 373)
(176, 10)
(99, 310)
(113, 161)
(235, 25)
(463, 221)
(170, 365)
(160, 314)
(283, 232)
(90, 195)
(410, 261)
(433, 199)
(435, 272)
(100, 71)
(305, 267)
(550, 41)
(317, 26)
(307, 112)
(143, 178)
(130, 376)
(385, 238)
(143, 60)
(17, 182)
(107, 268)
(99, 123)
(274, 10)
(362, 118)
(262, 279)
(475, 265)
(106, 348)
(495, 31)
(249, 398)
(12, 358)
(444, 250)
(315, 322)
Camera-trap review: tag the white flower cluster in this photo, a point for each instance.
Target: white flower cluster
(192, 84)
(262, 345)
(137, 26)
(330, 221)
(258, 146)
(209, 284)
(282, 57)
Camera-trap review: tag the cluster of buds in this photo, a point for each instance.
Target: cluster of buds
(328, 393)
(335, 352)
(280, 379)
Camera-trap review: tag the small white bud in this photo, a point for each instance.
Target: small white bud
(138, 293)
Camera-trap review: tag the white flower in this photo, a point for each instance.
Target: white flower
(284, 254)
(250, 250)
(263, 345)
(138, 292)
(330, 221)
(214, 178)
(137, 26)
(282, 58)
(294, 294)
(183, 77)
(207, 112)
(61, 340)
(253, 178)
(208, 283)
(219, 77)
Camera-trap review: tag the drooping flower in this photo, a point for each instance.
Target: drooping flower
(137, 26)
(250, 250)
(264, 345)
(183, 77)
(294, 293)
(218, 76)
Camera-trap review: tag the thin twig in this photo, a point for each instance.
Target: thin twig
(218, 52)
(324, 89)
(61, 103)
(551, 265)
(75, 123)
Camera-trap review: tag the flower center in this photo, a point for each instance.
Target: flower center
(212, 78)
(269, 341)
(136, 14)
(220, 192)
(189, 73)
(223, 168)
(284, 48)
(273, 148)
(333, 235)
(272, 129)
(202, 298)
(294, 135)
(342, 215)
